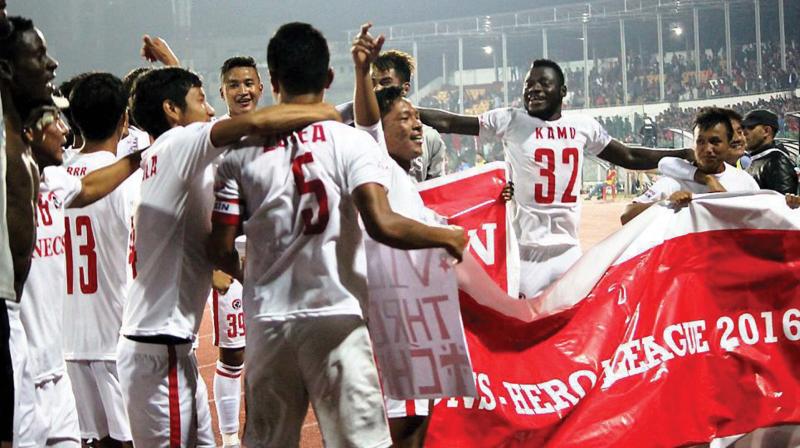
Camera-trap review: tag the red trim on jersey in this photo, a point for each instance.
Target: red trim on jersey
(411, 408)
(174, 401)
(225, 218)
(229, 375)
(228, 200)
(215, 304)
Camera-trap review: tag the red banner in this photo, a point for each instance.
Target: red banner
(681, 328)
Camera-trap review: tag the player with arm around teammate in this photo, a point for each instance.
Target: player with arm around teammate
(304, 280)
(56, 420)
(713, 133)
(97, 263)
(545, 152)
(156, 364)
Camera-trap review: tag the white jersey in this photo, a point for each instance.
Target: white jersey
(305, 256)
(69, 153)
(6, 263)
(403, 195)
(137, 139)
(97, 259)
(732, 178)
(172, 275)
(546, 159)
(45, 291)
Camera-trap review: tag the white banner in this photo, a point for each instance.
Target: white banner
(415, 324)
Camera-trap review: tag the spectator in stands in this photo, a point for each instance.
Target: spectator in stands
(772, 166)
(648, 132)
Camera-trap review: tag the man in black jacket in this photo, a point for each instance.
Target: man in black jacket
(772, 165)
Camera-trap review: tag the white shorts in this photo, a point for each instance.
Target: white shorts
(327, 360)
(30, 429)
(543, 265)
(165, 397)
(57, 403)
(102, 410)
(227, 317)
(406, 408)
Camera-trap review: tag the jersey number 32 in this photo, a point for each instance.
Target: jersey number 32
(544, 192)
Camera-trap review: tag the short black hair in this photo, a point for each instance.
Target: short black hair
(130, 79)
(65, 90)
(153, 88)
(551, 64)
(237, 61)
(298, 58)
(708, 117)
(402, 63)
(98, 103)
(387, 97)
(732, 114)
(11, 44)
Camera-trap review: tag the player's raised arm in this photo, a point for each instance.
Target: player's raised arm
(391, 229)
(270, 120)
(448, 122)
(365, 50)
(639, 158)
(156, 49)
(99, 183)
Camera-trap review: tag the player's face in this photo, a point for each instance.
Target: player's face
(737, 143)
(403, 132)
(711, 148)
(197, 108)
(33, 69)
(388, 78)
(543, 93)
(48, 143)
(241, 89)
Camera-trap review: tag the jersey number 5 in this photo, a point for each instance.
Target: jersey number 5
(88, 275)
(312, 187)
(546, 194)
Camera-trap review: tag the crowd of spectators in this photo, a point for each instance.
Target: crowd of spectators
(465, 152)
(682, 81)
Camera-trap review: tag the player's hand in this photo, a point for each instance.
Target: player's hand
(713, 184)
(365, 49)
(456, 242)
(157, 50)
(221, 281)
(792, 200)
(680, 198)
(508, 192)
